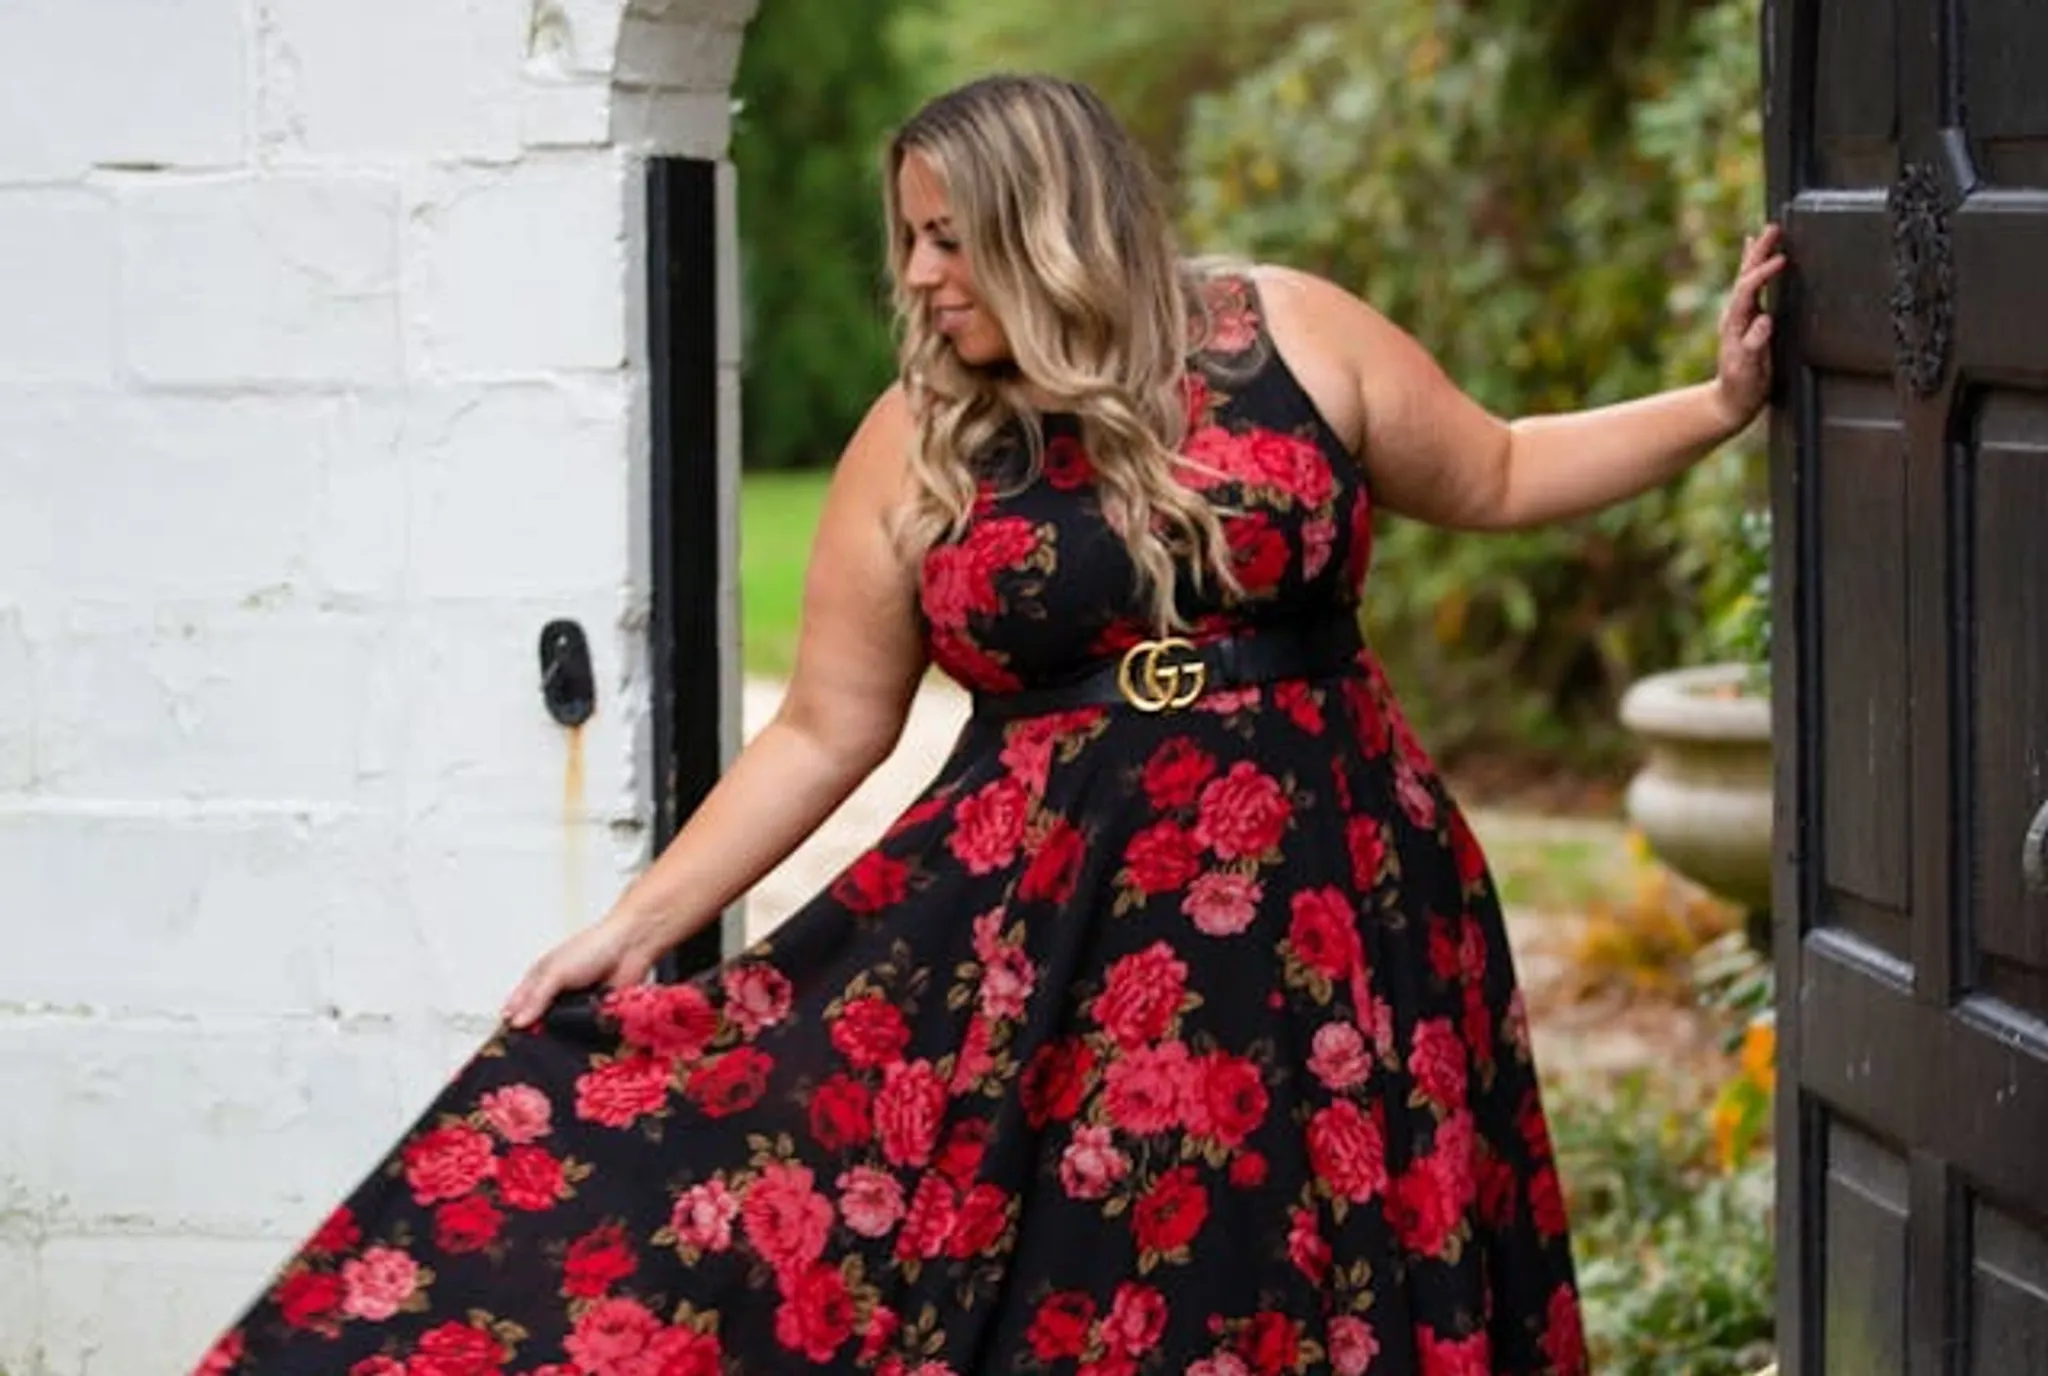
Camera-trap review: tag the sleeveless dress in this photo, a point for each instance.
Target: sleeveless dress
(1181, 1043)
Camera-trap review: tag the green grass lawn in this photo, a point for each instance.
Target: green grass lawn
(778, 514)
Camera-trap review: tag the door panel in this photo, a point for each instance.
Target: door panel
(1908, 149)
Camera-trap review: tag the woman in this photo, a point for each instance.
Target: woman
(1173, 1028)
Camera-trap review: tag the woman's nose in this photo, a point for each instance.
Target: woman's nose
(922, 271)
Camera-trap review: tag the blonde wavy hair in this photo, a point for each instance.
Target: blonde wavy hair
(1066, 230)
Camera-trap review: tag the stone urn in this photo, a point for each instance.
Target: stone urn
(1703, 797)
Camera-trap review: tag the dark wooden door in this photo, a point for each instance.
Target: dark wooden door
(1908, 144)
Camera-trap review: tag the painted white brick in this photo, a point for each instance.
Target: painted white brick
(57, 301)
(574, 37)
(519, 269)
(686, 124)
(145, 1306)
(723, 13)
(682, 55)
(17, 709)
(230, 912)
(481, 746)
(249, 1129)
(153, 497)
(200, 703)
(554, 525)
(21, 1302)
(565, 112)
(392, 78)
(261, 279)
(127, 82)
(42, 428)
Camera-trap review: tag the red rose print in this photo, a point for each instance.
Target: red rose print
(611, 1338)
(308, 1299)
(1338, 1056)
(1413, 794)
(378, 1283)
(531, 1178)
(870, 1200)
(1460, 1357)
(1437, 1061)
(1271, 1343)
(1497, 1185)
(872, 883)
(225, 1355)
(621, 1092)
(1465, 849)
(870, 1032)
(984, 1214)
(1353, 1345)
(1006, 983)
(1162, 858)
(679, 1351)
(988, 826)
(1141, 995)
(786, 1219)
(1324, 933)
(1368, 841)
(817, 1317)
(1248, 1170)
(1055, 867)
(961, 1157)
(839, 1113)
(1347, 1151)
(703, 1216)
(733, 1083)
(672, 1020)
(457, 1349)
(518, 1113)
(1301, 704)
(1223, 902)
(1443, 950)
(1230, 1099)
(1170, 1213)
(953, 589)
(974, 1059)
(1055, 1081)
(467, 1225)
(1147, 1091)
(1175, 774)
(1423, 1208)
(756, 997)
(447, 1162)
(1259, 553)
(929, 1222)
(1066, 464)
(881, 1328)
(1007, 542)
(383, 1366)
(1546, 1203)
(1307, 1248)
(1243, 814)
(1060, 1328)
(1092, 1166)
(918, 813)
(597, 1261)
(1136, 1320)
(1564, 1337)
(338, 1233)
(908, 1113)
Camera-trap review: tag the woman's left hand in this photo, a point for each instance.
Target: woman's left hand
(1743, 383)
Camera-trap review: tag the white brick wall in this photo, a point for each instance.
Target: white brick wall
(322, 388)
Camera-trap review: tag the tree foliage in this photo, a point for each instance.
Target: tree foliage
(819, 87)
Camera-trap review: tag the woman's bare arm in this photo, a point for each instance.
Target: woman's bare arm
(859, 657)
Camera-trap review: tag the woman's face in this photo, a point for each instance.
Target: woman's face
(937, 269)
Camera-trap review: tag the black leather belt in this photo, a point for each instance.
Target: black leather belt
(1168, 675)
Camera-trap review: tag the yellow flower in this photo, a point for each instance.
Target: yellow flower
(1727, 1121)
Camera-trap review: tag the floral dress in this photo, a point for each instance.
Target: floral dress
(1182, 1043)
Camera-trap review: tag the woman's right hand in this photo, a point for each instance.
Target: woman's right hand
(613, 951)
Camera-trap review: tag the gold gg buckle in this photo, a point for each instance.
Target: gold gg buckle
(1161, 675)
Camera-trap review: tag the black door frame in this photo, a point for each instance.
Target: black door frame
(688, 539)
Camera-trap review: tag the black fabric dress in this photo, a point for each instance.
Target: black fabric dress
(1181, 1043)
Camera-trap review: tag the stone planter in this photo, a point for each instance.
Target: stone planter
(1703, 797)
